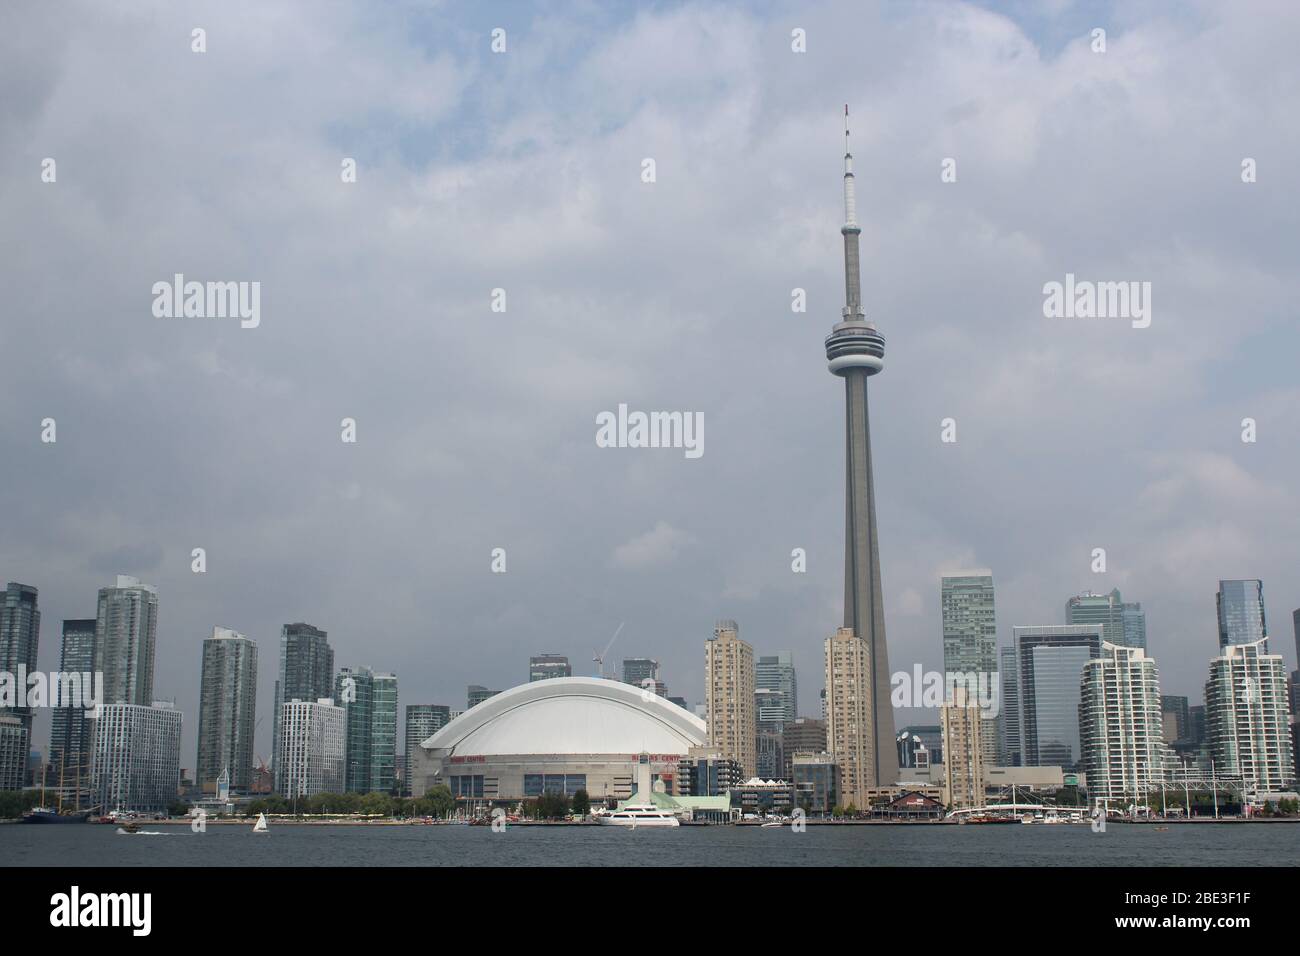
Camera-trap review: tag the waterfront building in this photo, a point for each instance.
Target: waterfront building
(72, 732)
(1240, 607)
(126, 630)
(369, 703)
(14, 751)
(705, 772)
(970, 641)
(816, 779)
(312, 748)
(760, 797)
(565, 735)
(1120, 726)
(546, 666)
(855, 351)
(306, 672)
(1247, 716)
(227, 711)
(20, 631)
(1050, 661)
(422, 722)
(136, 761)
(850, 735)
(801, 735)
(729, 691)
(960, 721)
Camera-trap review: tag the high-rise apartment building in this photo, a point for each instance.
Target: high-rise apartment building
(1247, 716)
(306, 672)
(1050, 661)
(970, 642)
(1240, 607)
(963, 765)
(1121, 726)
(422, 722)
(729, 692)
(137, 757)
(369, 701)
(72, 734)
(20, 629)
(227, 711)
(313, 738)
(849, 734)
(126, 629)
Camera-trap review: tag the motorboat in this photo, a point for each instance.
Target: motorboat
(639, 815)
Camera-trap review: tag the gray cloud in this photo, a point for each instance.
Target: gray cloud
(522, 172)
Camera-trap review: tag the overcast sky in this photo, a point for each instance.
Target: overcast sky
(522, 171)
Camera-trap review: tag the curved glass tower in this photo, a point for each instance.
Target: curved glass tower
(855, 351)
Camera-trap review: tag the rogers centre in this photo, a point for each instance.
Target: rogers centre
(564, 734)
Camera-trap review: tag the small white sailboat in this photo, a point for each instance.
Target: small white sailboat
(260, 825)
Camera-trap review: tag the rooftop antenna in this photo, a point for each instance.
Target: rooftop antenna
(599, 659)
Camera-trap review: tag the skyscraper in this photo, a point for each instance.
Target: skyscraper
(546, 666)
(306, 672)
(970, 641)
(1120, 725)
(72, 733)
(1050, 661)
(774, 673)
(1008, 719)
(729, 691)
(1241, 613)
(855, 351)
(422, 722)
(1247, 716)
(640, 670)
(126, 627)
(848, 717)
(475, 694)
(963, 750)
(20, 629)
(369, 703)
(1125, 624)
(227, 711)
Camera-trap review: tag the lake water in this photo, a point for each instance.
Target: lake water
(1187, 845)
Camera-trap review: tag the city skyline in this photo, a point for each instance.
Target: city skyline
(205, 436)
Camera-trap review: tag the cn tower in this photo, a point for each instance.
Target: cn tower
(855, 351)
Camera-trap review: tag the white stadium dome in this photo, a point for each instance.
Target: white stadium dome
(563, 733)
(572, 715)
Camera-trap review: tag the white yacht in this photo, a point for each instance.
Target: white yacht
(638, 815)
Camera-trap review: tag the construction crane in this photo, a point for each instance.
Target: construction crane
(599, 659)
